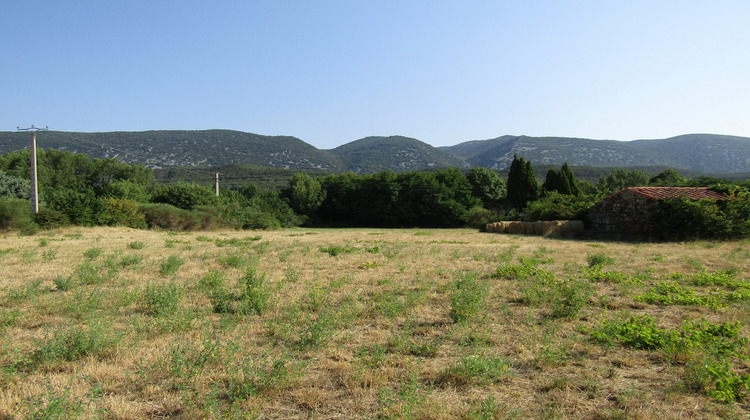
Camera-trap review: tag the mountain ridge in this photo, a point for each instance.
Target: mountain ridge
(706, 153)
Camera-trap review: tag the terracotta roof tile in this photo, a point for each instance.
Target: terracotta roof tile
(691, 193)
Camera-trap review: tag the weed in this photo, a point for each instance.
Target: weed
(234, 260)
(9, 317)
(56, 406)
(211, 281)
(160, 299)
(88, 274)
(129, 261)
(237, 242)
(254, 295)
(136, 245)
(335, 250)
(49, 255)
(672, 293)
(476, 369)
(26, 292)
(717, 379)
(599, 260)
(64, 283)
(317, 329)
(403, 402)
(43, 242)
(93, 253)
(468, 298)
(369, 264)
(171, 265)
(74, 343)
(569, 298)
(255, 376)
(292, 275)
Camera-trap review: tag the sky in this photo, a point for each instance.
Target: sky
(331, 72)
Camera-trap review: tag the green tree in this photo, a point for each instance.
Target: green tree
(184, 195)
(487, 185)
(14, 187)
(620, 179)
(568, 182)
(522, 184)
(305, 194)
(667, 178)
(551, 182)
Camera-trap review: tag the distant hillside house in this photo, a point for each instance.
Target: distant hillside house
(628, 211)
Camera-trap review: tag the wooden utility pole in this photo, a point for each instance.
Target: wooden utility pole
(34, 186)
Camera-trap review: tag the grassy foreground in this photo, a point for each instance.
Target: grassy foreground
(369, 323)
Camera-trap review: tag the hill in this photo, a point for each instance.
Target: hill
(706, 153)
(171, 148)
(395, 153)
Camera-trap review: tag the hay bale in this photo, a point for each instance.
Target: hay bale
(564, 228)
(539, 227)
(497, 227)
(514, 227)
(571, 227)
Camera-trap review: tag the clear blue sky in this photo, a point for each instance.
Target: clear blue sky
(330, 72)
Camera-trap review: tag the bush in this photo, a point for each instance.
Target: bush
(168, 217)
(16, 214)
(121, 212)
(556, 206)
(479, 217)
(80, 206)
(51, 219)
(185, 196)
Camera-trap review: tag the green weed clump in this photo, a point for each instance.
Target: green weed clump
(476, 369)
(237, 242)
(74, 343)
(335, 250)
(161, 299)
(136, 245)
(252, 297)
(171, 265)
(93, 253)
(711, 347)
(671, 293)
(468, 298)
(599, 260)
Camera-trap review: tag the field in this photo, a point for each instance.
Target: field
(369, 323)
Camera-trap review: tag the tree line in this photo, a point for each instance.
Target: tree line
(78, 190)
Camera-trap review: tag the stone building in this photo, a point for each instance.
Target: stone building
(627, 211)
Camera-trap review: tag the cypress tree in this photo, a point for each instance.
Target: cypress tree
(551, 182)
(568, 183)
(522, 184)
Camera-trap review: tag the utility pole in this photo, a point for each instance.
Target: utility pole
(34, 186)
(217, 184)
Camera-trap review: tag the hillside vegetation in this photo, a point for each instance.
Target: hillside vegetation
(704, 153)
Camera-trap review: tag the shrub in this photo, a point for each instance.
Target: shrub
(185, 196)
(120, 212)
(51, 219)
(556, 206)
(16, 214)
(168, 217)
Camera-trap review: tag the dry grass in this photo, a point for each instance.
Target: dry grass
(356, 323)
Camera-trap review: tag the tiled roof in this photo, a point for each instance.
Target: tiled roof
(691, 193)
